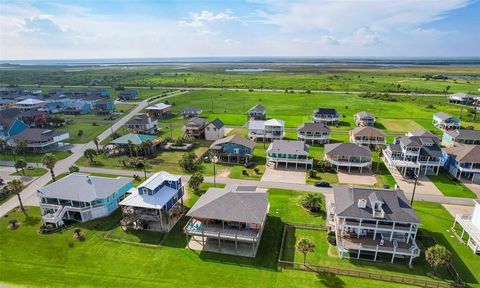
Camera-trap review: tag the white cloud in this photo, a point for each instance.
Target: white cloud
(200, 21)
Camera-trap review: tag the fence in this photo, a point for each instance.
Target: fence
(362, 274)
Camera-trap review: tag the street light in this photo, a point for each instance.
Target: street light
(214, 161)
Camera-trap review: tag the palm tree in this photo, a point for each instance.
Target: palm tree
(96, 141)
(130, 144)
(305, 246)
(90, 155)
(312, 202)
(437, 256)
(16, 186)
(379, 149)
(3, 144)
(21, 146)
(21, 164)
(49, 160)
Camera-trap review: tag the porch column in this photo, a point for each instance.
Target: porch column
(188, 242)
(410, 262)
(359, 226)
(376, 251)
(219, 243)
(393, 255)
(236, 245)
(375, 231)
(409, 233)
(391, 234)
(359, 251)
(203, 239)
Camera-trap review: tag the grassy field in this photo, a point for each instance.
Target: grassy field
(328, 77)
(450, 186)
(32, 157)
(90, 131)
(44, 260)
(35, 172)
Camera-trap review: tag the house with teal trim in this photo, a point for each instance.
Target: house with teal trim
(104, 106)
(10, 124)
(233, 149)
(445, 121)
(288, 153)
(461, 137)
(463, 162)
(81, 197)
(156, 204)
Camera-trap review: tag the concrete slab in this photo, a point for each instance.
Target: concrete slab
(286, 176)
(472, 186)
(424, 185)
(366, 178)
(458, 209)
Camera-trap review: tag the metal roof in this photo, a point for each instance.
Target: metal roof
(234, 139)
(157, 179)
(314, 127)
(466, 153)
(367, 131)
(288, 147)
(347, 149)
(134, 138)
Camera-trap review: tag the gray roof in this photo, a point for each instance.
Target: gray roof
(466, 153)
(422, 133)
(259, 108)
(234, 139)
(326, 111)
(395, 204)
(464, 134)
(197, 121)
(83, 187)
(288, 147)
(364, 114)
(37, 134)
(140, 119)
(442, 115)
(347, 149)
(367, 131)
(314, 127)
(217, 123)
(232, 204)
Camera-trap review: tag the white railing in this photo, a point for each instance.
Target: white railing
(348, 163)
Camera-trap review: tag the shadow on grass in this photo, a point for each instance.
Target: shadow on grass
(379, 125)
(31, 221)
(330, 280)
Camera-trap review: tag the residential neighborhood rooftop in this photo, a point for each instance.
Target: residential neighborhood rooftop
(288, 147)
(349, 149)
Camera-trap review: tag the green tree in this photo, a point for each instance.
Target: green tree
(312, 173)
(190, 163)
(437, 256)
(49, 160)
(130, 147)
(305, 246)
(73, 169)
(90, 155)
(21, 164)
(312, 202)
(96, 141)
(16, 186)
(21, 146)
(195, 181)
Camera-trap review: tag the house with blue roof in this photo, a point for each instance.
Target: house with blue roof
(156, 204)
(10, 125)
(445, 121)
(81, 197)
(233, 149)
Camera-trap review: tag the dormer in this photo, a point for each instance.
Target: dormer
(376, 203)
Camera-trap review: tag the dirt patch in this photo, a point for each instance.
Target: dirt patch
(366, 178)
(287, 176)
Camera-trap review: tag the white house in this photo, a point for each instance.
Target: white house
(470, 225)
(215, 130)
(269, 130)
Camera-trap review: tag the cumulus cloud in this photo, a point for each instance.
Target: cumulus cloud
(200, 21)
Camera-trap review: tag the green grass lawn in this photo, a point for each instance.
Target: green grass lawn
(35, 172)
(450, 186)
(90, 131)
(30, 259)
(32, 157)
(436, 223)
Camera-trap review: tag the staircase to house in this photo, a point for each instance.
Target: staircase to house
(55, 217)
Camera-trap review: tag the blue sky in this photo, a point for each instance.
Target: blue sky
(145, 28)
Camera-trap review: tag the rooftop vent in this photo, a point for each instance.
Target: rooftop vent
(89, 180)
(362, 203)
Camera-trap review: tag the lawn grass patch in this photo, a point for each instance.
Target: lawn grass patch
(32, 157)
(450, 186)
(35, 172)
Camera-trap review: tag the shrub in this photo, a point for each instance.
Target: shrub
(312, 173)
(312, 202)
(331, 238)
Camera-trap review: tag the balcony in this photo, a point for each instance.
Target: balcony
(195, 227)
(348, 162)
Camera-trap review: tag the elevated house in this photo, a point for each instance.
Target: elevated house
(53, 107)
(420, 154)
(314, 133)
(376, 224)
(228, 220)
(104, 106)
(215, 130)
(461, 137)
(470, 227)
(266, 131)
(29, 104)
(6, 104)
(39, 139)
(10, 125)
(328, 116)
(159, 111)
(461, 99)
(258, 112)
(142, 124)
(34, 118)
(463, 162)
(288, 152)
(126, 95)
(77, 107)
(124, 143)
(81, 197)
(364, 118)
(348, 155)
(156, 204)
(233, 149)
(367, 136)
(195, 127)
(445, 121)
(190, 112)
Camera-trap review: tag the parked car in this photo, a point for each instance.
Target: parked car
(30, 167)
(206, 159)
(321, 184)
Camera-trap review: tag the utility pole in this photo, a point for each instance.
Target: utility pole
(414, 188)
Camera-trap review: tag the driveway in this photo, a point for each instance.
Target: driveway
(472, 186)
(366, 178)
(458, 209)
(424, 185)
(287, 176)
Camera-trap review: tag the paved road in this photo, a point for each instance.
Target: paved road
(29, 196)
(280, 185)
